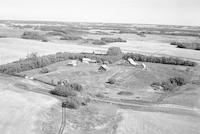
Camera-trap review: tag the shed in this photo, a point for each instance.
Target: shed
(103, 68)
(141, 33)
(132, 62)
(72, 63)
(144, 66)
(87, 60)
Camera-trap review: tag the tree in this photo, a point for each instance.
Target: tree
(111, 80)
(44, 70)
(114, 51)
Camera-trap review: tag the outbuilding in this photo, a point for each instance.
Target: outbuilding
(132, 62)
(72, 63)
(103, 67)
(87, 60)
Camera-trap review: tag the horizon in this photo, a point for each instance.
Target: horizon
(20, 20)
(166, 12)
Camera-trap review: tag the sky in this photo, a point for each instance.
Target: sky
(170, 12)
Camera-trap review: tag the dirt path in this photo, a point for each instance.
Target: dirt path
(63, 123)
(169, 108)
(143, 107)
(164, 107)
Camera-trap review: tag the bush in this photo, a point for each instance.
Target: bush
(125, 93)
(63, 91)
(70, 38)
(111, 81)
(33, 36)
(175, 43)
(98, 42)
(71, 102)
(44, 70)
(195, 46)
(55, 33)
(111, 40)
(66, 89)
(76, 87)
(114, 51)
(171, 83)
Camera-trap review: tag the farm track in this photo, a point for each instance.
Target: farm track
(145, 106)
(166, 108)
(151, 107)
(63, 123)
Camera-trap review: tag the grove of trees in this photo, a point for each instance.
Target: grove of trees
(114, 54)
(70, 91)
(171, 83)
(33, 36)
(162, 60)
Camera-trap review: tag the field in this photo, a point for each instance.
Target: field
(151, 44)
(147, 122)
(24, 112)
(121, 98)
(135, 81)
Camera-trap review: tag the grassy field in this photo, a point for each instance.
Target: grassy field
(128, 78)
(19, 48)
(95, 118)
(137, 122)
(24, 112)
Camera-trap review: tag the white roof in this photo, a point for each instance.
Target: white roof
(131, 61)
(105, 66)
(72, 62)
(144, 66)
(86, 59)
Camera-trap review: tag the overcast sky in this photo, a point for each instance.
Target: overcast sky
(178, 12)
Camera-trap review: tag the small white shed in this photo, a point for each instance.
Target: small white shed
(72, 63)
(132, 62)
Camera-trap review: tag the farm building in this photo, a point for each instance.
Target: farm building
(132, 62)
(144, 66)
(99, 52)
(87, 60)
(103, 68)
(72, 63)
(141, 33)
